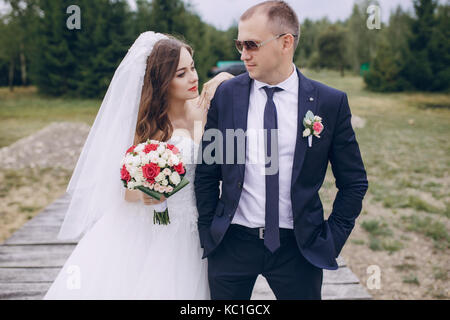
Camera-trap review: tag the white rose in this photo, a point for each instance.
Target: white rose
(317, 118)
(162, 163)
(166, 154)
(139, 176)
(154, 159)
(145, 159)
(160, 177)
(169, 189)
(306, 132)
(131, 184)
(161, 149)
(137, 161)
(308, 122)
(140, 147)
(131, 170)
(174, 160)
(153, 154)
(128, 159)
(132, 160)
(175, 178)
(165, 182)
(167, 171)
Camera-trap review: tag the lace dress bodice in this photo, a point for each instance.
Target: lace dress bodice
(182, 205)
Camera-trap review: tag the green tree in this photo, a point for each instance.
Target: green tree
(392, 47)
(439, 50)
(307, 52)
(361, 41)
(418, 68)
(384, 74)
(55, 60)
(331, 48)
(102, 42)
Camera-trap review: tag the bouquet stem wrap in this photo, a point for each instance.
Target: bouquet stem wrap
(161, 212)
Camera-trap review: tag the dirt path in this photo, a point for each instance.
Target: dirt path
(35, 171)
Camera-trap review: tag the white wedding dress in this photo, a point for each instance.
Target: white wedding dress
(126, 256)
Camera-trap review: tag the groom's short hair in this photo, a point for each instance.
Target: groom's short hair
(282, 18)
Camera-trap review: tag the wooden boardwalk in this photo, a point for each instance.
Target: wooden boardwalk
(32, 257)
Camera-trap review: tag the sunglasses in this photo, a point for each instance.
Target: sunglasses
(251, 45)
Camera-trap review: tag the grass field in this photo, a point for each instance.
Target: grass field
(404, 225)
(23, 112)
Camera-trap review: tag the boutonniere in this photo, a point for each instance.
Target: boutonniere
(313, 126)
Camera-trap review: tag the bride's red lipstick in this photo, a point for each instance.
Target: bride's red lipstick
(193, 88)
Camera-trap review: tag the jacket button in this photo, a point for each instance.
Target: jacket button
(239, 185)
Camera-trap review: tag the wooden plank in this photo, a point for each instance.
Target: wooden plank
(37, 234)
(22, 275)
(37, 291)
(337, 284)
(48, 217)
(345, 292)
(34, 255)
(341, 262)
(23, 291)
(342, 275)
(33, 274)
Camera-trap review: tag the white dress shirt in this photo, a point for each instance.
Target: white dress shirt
(251, 208)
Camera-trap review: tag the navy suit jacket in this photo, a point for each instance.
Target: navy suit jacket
(320, 241)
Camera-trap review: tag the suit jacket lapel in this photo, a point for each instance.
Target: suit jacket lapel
(241, 100)
(307, 100)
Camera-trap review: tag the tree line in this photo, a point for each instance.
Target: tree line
(410, 52)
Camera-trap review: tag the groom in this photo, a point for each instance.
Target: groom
(272, 223)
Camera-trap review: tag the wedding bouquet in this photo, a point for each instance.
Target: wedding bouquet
(157, 169)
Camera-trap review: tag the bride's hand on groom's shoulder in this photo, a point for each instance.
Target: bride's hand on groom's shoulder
(148, 201)
(209, 89)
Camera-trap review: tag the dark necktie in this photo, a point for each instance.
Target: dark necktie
(272, 231)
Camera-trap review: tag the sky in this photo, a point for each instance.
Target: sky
(222, 13)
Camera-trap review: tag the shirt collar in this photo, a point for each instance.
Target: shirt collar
(290, 84)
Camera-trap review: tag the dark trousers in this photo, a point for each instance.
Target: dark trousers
(238, 260)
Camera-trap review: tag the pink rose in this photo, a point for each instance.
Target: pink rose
(318, 127)
(124, 174)
(173, 148)
(150, 171)
(150, 147)
(179, 168)
(131, 149)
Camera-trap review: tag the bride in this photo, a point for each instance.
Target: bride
(122, 254)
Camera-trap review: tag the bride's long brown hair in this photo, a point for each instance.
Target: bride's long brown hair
(153, 120)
